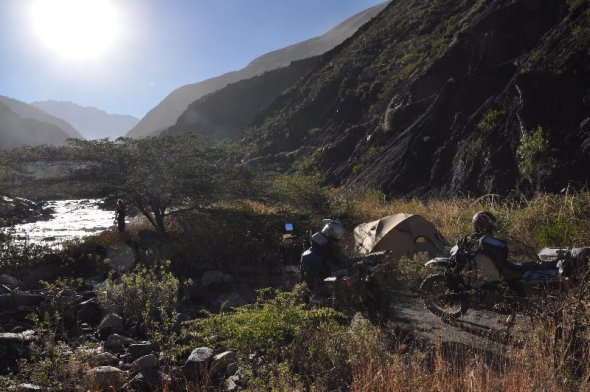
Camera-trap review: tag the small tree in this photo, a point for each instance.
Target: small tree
(183, 171)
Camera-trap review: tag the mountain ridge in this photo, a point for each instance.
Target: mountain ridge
(167, 112)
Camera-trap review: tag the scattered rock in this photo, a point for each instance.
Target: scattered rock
(102, 358)
(24, 298)
(29, 388)
(230, 300)
(215, 277)
(220, 363)
(90, 312)
(139, 383)
(9, 280)
(106, 378)
(140, 349)
(148, 366)
(116, 343)
(197, 364)
(13, 346)
(111, 323)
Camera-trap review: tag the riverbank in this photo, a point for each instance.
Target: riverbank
(19, 210)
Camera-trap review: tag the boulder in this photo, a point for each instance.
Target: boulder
(111, 323)
(221, 362)
(215, 277)
(148, 366)
(90, 312)
(106, 378)
(116, 343)
(120, 257)
(9, 280)
(229, 300)
(25, 298)
(140, 349)
(139, 383)
(13, 347)
(197, 364)
(99, 357)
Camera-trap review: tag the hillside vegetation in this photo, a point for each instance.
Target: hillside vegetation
(443, 97)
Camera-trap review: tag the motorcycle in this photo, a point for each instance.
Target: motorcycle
(361, 287)
(478, 274)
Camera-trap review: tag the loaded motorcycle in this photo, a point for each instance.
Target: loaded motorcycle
(361, 287)
(479, 274)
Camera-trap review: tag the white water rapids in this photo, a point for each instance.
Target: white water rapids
(71, 219)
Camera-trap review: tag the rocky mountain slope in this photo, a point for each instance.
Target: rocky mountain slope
(25, 110)
(167, 112)
(446, 98)
(93, 123)
(226, 112)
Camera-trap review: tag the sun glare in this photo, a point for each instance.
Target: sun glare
(76, 29)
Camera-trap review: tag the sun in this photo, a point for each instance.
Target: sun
(76, 29)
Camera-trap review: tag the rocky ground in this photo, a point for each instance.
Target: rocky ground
(19, 210)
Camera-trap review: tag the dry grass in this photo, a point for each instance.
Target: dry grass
(528, 225)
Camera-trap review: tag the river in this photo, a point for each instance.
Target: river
(72, 219)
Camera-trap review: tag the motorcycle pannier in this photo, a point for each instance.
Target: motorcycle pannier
(496, 249)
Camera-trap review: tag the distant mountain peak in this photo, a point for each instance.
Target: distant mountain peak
(92, 122)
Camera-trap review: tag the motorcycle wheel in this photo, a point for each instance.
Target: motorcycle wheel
(376, 303)
(441, 300)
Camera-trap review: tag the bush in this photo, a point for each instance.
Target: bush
(276, 320)
(142, 295)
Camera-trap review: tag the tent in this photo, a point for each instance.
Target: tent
(402, 234)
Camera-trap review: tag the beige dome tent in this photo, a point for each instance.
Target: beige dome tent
(402, 234)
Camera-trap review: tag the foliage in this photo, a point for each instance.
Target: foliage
(17, 254)
(141, 295)
(530, 154)
(301, 192)
(53, 363)
(490, 119)
(264, 327)
(557, 233)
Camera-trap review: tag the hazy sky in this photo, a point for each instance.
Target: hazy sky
(125, 56)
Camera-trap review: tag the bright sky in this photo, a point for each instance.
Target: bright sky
(125, 56)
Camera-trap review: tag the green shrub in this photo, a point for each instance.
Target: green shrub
(264, 327)
(144, 294)
(558, 233)
(532, 145)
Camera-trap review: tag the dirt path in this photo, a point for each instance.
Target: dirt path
(479, 329)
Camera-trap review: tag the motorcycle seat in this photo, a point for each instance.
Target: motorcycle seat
(512, 271)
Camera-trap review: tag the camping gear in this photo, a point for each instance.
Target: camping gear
(402, 234)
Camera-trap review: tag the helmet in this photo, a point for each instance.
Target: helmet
(484, 222)
(333, 229)
(318, 239)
